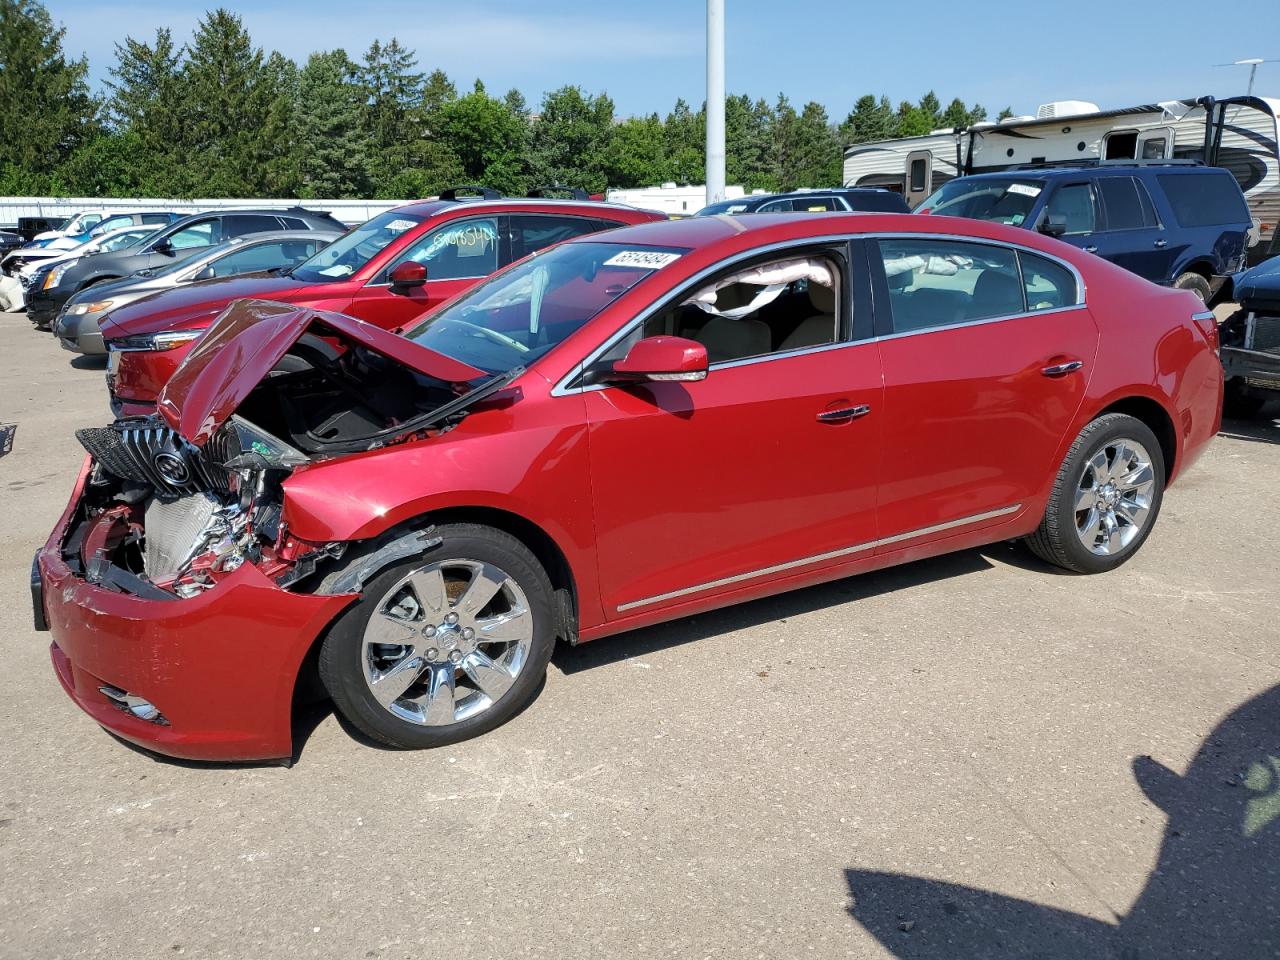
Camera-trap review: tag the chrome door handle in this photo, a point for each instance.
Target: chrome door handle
(1090, 249)
(844, 413)
(1162, 243)
(1058, 369)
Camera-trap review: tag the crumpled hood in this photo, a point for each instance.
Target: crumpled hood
(1261, 283)
(248, 340)
(191, 305)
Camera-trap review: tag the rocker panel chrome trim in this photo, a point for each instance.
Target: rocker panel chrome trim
(820, 557)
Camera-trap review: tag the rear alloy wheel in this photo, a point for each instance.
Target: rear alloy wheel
(1196, 284)
(446, 646)
(1105, 499)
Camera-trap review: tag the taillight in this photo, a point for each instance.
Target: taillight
(1208, 325)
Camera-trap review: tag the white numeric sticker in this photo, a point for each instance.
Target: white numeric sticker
(642, 259)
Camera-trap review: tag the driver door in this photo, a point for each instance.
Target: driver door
(457, 254)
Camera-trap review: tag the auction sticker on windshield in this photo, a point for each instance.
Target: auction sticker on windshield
(1025, 189)
(642, 259)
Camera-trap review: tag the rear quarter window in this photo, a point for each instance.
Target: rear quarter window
(1204, 200)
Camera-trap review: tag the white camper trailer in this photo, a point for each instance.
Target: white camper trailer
(1239, 134)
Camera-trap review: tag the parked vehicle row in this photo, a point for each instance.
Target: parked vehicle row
(398, 474)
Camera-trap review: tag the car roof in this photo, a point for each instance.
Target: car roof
(430, 208)
(727, 230)
(1092, 169)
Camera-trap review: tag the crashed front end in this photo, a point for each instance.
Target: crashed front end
(181, 607)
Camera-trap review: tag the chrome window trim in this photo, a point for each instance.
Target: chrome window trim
(562, 388)
(819, 558)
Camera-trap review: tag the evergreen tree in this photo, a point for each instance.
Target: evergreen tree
(46, 111)
(686, 136)
(230, 96)
(146, 100)
(1005, 114)
(912, 121)
(748, 130)
(394, 117)
(869, 121)
(333, 144)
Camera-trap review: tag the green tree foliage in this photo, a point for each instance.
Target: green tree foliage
(569, 140)
(46, 111)
(334, 150)
(214, 115)
(488, 138)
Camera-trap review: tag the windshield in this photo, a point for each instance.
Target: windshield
(81, 222)
(121, 241)
(997, 199)
(352, 251)
(525, 312)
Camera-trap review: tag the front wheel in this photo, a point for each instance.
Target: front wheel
(445, 646)
(1105, 498)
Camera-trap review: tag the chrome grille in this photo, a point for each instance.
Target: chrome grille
(1266, 334)
(144, 449)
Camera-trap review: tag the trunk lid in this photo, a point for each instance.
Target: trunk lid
(249, 339)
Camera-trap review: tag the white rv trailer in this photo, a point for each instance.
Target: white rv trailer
(1239, 134)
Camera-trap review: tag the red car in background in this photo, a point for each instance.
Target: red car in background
(388, 272)
(624, 429)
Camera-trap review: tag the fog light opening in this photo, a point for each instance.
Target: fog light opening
(142, 709)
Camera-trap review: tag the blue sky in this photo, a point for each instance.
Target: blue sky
(645, 55)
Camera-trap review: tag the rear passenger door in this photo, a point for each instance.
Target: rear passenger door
(986, 352)
(530, 232)
(1131, 235)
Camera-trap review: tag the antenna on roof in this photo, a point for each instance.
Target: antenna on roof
(1252, 64)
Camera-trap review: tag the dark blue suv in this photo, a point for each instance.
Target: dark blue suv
(1175, 223)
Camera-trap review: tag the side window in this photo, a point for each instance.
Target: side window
(459, 250)
(238, 224)
(773, 307)
(919, 172)
(1120, 197)
(199, 234)
(776, 206)
(1048, 285)
(155, 218)
(1154, 148)
(937, 283)
(816, 204)
(1149, 216)
(263, 256)
(1204, 199)
(293, 223)
(111, 223)
(1076, 203)
(533, 232)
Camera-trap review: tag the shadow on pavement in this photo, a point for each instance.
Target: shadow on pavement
(1214, 892)
(84, 362)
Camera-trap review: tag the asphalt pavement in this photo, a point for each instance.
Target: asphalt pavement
(969, 757)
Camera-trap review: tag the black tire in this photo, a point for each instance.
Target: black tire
(1196, 284)
(341, 654)
(1240, 401)
(1056, 541)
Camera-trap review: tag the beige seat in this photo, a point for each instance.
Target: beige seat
(727, 339)
(819, 328)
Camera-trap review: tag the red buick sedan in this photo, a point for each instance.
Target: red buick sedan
(624, 429)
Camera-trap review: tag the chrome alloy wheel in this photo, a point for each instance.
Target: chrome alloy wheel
(446, 642)
(1113, 497)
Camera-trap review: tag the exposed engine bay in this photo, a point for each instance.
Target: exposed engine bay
(162, 519)
(165, 518)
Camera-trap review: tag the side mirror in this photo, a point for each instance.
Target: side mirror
(408, 274)
(205, 273)
(1053, 225)
(660, 359)
(164, 246)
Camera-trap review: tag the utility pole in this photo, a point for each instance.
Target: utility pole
(715, 100)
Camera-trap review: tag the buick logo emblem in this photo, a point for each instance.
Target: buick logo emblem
(172, 467)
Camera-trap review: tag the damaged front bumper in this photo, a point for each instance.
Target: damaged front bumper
(219, 668)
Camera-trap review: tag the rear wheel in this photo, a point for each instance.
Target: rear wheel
(1196, 284)
(445, 646)
(1105, 498)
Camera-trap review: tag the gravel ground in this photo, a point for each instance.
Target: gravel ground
(971, 756)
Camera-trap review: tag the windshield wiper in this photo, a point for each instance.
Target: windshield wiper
(460, 405)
